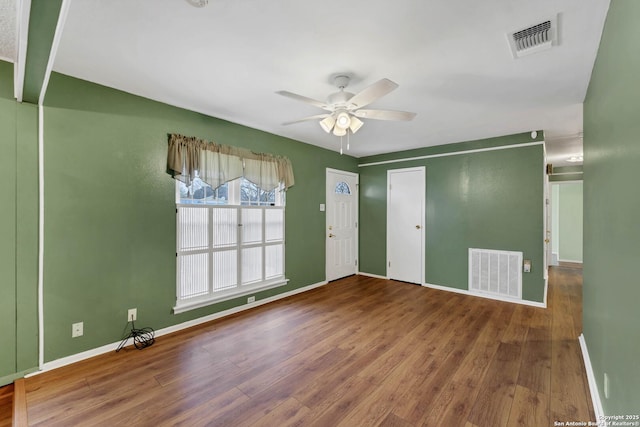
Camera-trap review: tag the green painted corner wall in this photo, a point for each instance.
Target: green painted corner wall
(19, 231)
(611, 211)
(8, 220)
(110, 211)
(489, 200)
(570, 222)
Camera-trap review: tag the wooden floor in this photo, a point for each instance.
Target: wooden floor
(357, 352)
(6, 405)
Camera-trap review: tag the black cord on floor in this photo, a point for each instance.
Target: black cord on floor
(142, 338)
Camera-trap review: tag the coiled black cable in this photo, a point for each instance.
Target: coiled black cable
(142, 338)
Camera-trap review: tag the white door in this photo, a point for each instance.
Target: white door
(405, 224)
(342, 224)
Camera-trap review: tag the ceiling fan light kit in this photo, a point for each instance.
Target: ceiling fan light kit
(344, 107)
(327, 123)
(356, 124)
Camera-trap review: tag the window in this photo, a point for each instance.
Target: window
(342, 188)
(230, 241)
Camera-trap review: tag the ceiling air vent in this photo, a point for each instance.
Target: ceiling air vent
(534, 39)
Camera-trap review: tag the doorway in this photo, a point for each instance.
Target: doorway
(405, 224)
(566, 222)
(341, 224)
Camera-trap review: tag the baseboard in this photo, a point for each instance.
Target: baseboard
(74, 358)
(376, 276)
(488, 296)
(591, 378)
(573, 261)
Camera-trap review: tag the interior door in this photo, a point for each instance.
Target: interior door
(405, 224)
(341, 224)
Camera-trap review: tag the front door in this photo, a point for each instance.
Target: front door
(341, 224)
(405, 224)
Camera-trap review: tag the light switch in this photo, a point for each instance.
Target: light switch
(526, 266)
(322, 207)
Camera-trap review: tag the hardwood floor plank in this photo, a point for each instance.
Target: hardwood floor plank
(535, 373)
(20, 418)
(393, 420)
(497, 390)
(338, 401)
(200, 415)
(569, 391)
(6, 405)
(453, 405)
(287, 414)
(530, 408)
(423, 393)
(374, 408)
(303, 367)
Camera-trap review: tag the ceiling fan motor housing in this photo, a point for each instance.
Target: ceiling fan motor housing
(339, 98)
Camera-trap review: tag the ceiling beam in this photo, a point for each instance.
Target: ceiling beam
(43, 22)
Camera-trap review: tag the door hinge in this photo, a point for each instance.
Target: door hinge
(389, 263)
(356, 224)
(356, 262)
(389, 186)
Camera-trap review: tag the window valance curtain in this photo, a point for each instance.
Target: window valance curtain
(217, 164)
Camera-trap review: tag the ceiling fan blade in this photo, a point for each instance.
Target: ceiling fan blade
(304, 99)
(371, 93)
(306, 119)
(384, 115)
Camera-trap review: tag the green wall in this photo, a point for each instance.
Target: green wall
(18, 228)
(489, 200)
(110, 211)
(611, 210)
(570, 222)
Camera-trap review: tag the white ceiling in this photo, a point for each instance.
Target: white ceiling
(450, 58)
(8, 16)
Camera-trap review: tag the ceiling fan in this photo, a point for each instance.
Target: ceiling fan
(345, 108)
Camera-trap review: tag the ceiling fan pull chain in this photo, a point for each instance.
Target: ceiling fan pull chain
(341, 145)
(348, 130)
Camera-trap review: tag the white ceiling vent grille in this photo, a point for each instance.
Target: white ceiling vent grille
(533, 39)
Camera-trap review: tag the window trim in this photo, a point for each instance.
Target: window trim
(201, 302)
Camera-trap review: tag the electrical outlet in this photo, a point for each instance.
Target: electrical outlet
(132, 314)
(251, 299)
(77, 329)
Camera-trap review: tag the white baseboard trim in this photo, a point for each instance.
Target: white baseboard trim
(488, 296)
(64, 361)
(593, 386)
(575, 261)
(376, 276)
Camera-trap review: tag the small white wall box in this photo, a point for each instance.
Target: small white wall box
(526, 266)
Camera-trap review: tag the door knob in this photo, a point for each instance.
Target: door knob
(418, 227)
(331, 235)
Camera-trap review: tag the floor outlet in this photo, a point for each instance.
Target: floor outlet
(132, 314)
(251, 299)
(77, 330)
